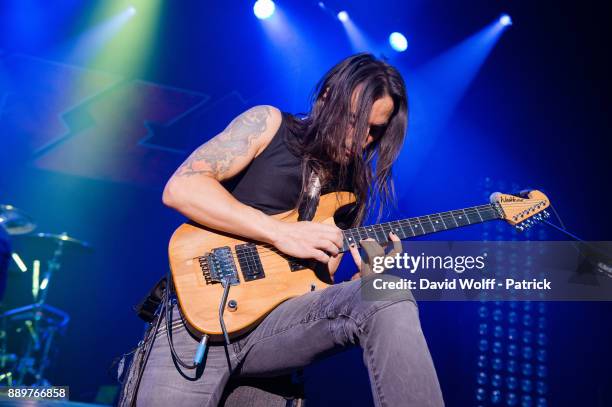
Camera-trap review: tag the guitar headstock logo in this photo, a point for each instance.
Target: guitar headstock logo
(510, 198)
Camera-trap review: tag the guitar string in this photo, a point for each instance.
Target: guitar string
(252, 259)
(402, 223)
(446, 217)
(263, 252)
(267, 249)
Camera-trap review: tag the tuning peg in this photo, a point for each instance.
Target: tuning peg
(520, 227)
(545, 214)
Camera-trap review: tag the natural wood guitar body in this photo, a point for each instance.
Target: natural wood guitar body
(200, 258)
(199, 300)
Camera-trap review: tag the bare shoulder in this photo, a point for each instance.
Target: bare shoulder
(273, 119)
(230, 151)
(256, 127)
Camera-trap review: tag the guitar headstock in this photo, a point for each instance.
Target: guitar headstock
(522, 211)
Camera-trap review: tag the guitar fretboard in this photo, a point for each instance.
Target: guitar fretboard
(421, 225)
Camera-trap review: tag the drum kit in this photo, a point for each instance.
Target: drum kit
(27, 332)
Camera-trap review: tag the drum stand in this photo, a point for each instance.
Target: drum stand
(39, 322)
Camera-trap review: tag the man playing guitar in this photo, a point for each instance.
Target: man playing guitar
(266, 162)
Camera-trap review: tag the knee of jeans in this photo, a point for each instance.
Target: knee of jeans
(360, 306)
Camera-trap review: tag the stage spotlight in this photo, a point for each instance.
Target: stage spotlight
(505, 20)
(131, 10)
(264, 9)
(343, 16)
(398, 42)
(321, 4)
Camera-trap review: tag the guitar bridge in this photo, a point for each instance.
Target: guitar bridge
(219, 265)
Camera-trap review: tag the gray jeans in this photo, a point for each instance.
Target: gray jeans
(292, 336)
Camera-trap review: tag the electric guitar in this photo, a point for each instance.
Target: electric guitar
(259, 277)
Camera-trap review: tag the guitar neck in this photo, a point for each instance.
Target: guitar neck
(422, 225)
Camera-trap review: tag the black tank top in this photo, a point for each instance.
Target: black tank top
(273, 180)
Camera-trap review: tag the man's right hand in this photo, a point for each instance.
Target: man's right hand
(308, 240)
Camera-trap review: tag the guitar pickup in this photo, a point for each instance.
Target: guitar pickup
(250, 263)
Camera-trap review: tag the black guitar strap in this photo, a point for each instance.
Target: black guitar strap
(147, 307)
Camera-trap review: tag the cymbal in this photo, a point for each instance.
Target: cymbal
(15, 221)
(62, 238)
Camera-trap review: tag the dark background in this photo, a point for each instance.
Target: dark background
(535, 114)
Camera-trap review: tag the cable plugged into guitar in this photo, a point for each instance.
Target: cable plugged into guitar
(201, 349)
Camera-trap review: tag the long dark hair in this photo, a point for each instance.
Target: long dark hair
(342, 103)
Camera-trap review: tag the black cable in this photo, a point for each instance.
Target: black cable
(143, 363)
(164, 310)
(168, 327)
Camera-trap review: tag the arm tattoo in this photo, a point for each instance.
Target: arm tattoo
(217, 155)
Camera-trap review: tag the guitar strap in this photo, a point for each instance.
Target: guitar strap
(148, 306)
(309, 205)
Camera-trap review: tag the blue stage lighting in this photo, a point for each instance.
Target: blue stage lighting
(482, 361)
(481, 394)
(482, 378)
(398, 42)
(496, 396)
(343, 16)
(505, 20)
(264, 9)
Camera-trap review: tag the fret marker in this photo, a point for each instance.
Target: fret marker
(459, 216)
(437, 222)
